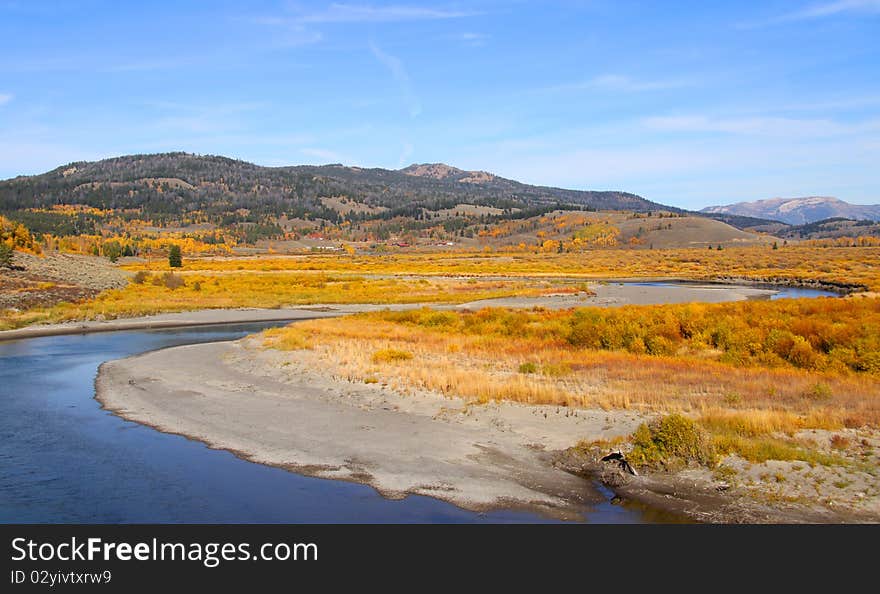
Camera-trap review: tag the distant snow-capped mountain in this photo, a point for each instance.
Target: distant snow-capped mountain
(799, 211)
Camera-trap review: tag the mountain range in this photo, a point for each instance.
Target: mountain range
(191, 192)
(169, 184)
(799, 211)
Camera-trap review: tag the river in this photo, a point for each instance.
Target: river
(66, 460)
(63, 459)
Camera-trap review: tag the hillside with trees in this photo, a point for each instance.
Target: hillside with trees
(175, 188)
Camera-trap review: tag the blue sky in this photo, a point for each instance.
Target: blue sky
(685, 103)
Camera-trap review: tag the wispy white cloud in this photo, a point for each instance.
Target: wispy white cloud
(828, 9)
(298, 26)
(150, 64)
(620, 83)
(363, 13)
(405, 153)
(474, 39)
(6, 98)
(288, 32)
(399, 73)
(200, 119)
(759, 126)
(90, 63)
(819, 11)
(851, 102)
(617, 82)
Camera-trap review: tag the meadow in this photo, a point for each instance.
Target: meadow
(856, 266)
(149, 293)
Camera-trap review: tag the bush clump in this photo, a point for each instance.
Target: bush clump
(391, 355)
(819, 391)
(528, 368)
(140, 277)
(5, 255)
(672, 442)
(172, 281)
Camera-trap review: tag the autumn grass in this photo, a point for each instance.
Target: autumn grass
(150, 293)
(274, 282)
(760, 435)
(849, 266)
(285, 339)
(764, 448)
(831, 335)
(527, 357)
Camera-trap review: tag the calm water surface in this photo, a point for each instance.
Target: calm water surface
(781, 292)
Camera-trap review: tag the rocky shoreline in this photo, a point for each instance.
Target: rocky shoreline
(699, 495)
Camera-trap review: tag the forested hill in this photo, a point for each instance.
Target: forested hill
(170, 185)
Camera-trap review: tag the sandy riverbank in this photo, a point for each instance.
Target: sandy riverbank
(616, 294)
(203, 317)
(270, 409)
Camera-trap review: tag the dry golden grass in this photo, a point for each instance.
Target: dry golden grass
(539, 366)
(169, 292)
(272, 282)
(849, 265)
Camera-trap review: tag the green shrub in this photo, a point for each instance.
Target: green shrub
(818, 391)
(528, 368)
(671, 442)
(556, 369)
(5, 255)
(112, 250)
(440, 318)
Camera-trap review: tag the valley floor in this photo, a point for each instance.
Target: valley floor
(293, 409)
(604, 294)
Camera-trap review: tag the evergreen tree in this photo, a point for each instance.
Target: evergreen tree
(112, 250)
(174, 258)
(5, 255)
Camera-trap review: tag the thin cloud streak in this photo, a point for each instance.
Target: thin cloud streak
(819, 11)
(405, 153)
(298, 28)
(289, 32)
(350, 13)
(620, 83)
(834, 8)
(760, 126)
(399, 73)
(474, 39)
